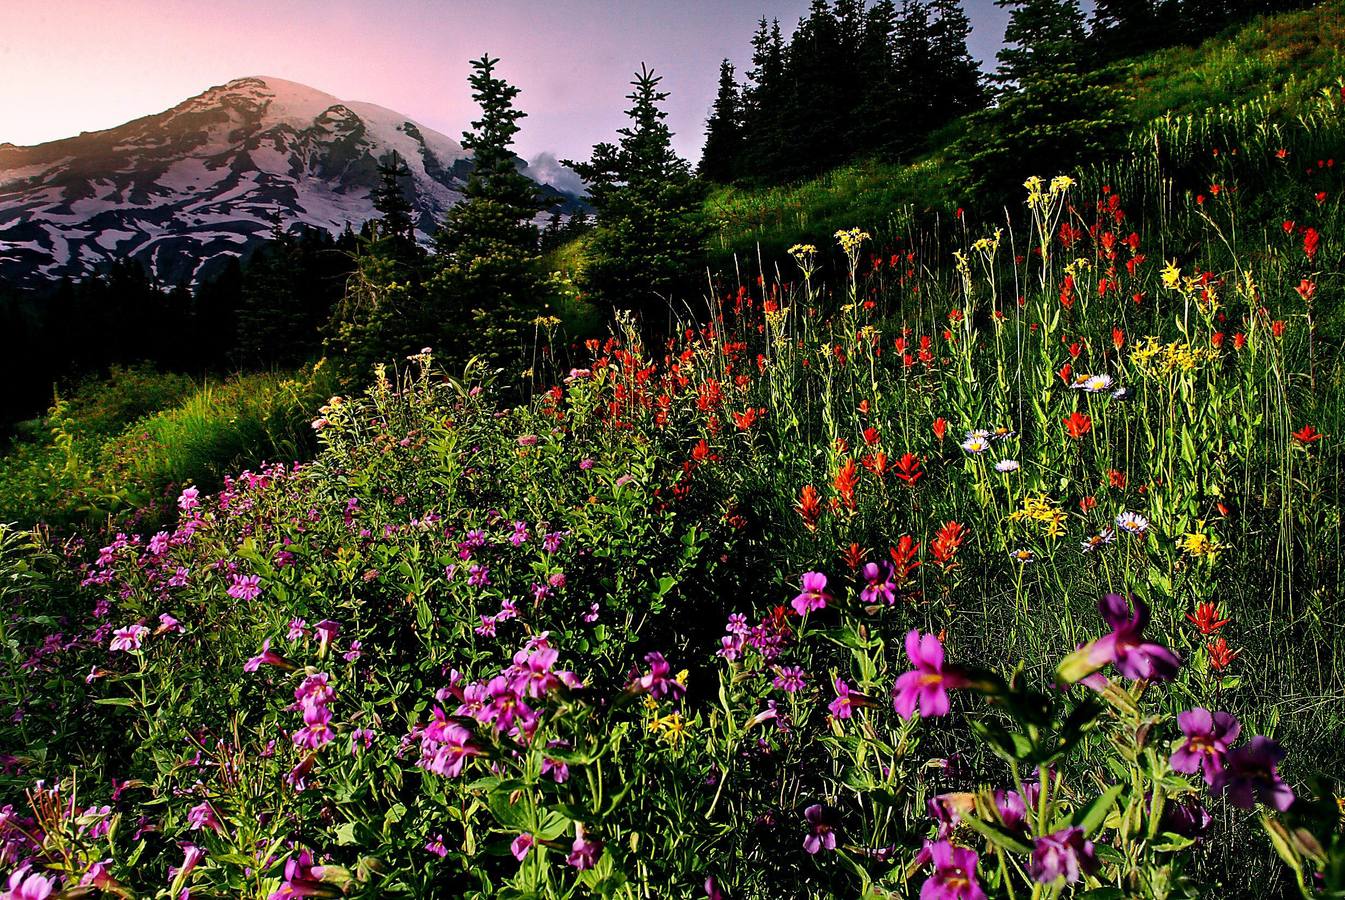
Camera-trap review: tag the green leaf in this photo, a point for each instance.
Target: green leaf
(1091, 816)
(998, 836)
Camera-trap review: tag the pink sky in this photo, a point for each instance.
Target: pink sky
(82, 65)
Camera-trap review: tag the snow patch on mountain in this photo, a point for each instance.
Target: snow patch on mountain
(209, 179)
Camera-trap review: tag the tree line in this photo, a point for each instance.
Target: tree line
(856, 79)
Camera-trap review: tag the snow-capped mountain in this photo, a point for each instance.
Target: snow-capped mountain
(210, 178)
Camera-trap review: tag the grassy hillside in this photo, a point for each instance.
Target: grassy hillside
(1267, 69)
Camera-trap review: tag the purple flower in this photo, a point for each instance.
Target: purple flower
(25, 884)
(1184, 816)
(202, 816)
(1249, 774)
(353, 653)
(585, 464)
(298, 630)
(128, 638)
(928, 683)
(657, 681)
(1208, 736)
(479, 576)
(592, 615)
(583, 852)
(954, 876)
(879, 587)
(326, 630)
(822, 828)
(1064, 854)
(842, 707)
(168, 624)
(436, 846)
(1012, 810)
(814, 594)
(245, 587)
(789, 679)
(187, 500)
(317, 731)
(1125, 647)
(267, 657)
(520, 846)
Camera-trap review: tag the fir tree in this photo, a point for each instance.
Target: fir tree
(391, 202)
(723, 131)
(650, 230)
(1042, 38)
(958, 88)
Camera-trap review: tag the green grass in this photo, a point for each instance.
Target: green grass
(122, 445)
(1268, 67)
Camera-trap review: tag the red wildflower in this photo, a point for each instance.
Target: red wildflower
(1078, 424)
(946, 542)
(1206, 619)
(745, 420)
(908, 468)
(1307, 290)
(904, 558)
(809, 506)
(1307, 435)
(1221, 657)
(1116, 479)
(854, 555)
(1087, 503)
(1310, 240)
(871, 436)
(940, 427)
(847, 478)
(1277, 328)
(877, 463)
(1118, 338)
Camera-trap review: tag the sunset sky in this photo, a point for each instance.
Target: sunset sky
(68, 66)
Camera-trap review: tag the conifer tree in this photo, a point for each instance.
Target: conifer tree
(958, 88)
(1042, 37)
(650, 231)
(391, 203)
(723, 131)
(484, 281)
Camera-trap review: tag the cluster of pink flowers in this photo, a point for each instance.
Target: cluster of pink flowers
(505, 705)
(311, 697)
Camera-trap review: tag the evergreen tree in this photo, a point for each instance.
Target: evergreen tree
(820, 78)
(476, 295)
(651, 230)
(915, 74)
(395, 209)
(958, 88)
(723, 131)
(763, 101)
(880, 118)
(1042, 38)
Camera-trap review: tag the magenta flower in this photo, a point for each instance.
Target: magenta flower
(445, 746)
(302, 878)
(1012, 810)
(202, 816)
(814, 594)
(128, 638)
(189, 499)
(317, 731)
(326, 631)
(353, 653)
(657, 681)
(1208, 736)
(25, 884)
(789, 679)
(954, 876)
(168, 624)
(821, 828)
(1125, 647)
(583, 852)
(191, 858)
(1250, 773)
(316, 689)
(842, 707)
(879, 587)
(929, 682)
(245, 587)
(436, 846)
(267, 657)
(1062, 855)
(298, 630)
(520, 846)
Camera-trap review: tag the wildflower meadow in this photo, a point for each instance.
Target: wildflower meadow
(952, 561)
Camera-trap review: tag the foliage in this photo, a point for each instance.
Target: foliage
(649, 231)
(115, 447)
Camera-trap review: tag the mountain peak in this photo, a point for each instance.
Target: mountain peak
(185, 189)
